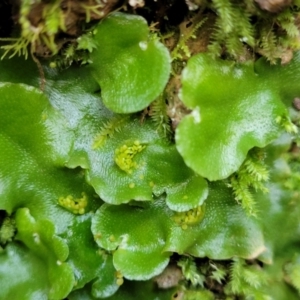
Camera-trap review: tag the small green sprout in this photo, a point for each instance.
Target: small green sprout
(86, 42)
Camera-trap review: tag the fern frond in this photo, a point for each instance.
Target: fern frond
(246, 280)
(252, 174)
(269, 44)
(224, 9)
(185, 35)
(190, 272)
(108, 129)
(234, 47)
(287, 21)
(158, 114)
(271, 35)
(252, 277)
(233, 28)
(244, 28)
(236, 276)
(218, 274)
(292, 271)
(243, 196)
(19, 46)
(257, 169)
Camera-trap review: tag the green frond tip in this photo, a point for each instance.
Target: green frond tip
(252, 174)
(108, 129)
(190, 271)
(7, 230)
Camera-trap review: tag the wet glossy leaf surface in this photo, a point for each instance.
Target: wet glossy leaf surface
(224, 232)
(40, 238)
(131, 290)
(53, 150)
(72, 138)
(149, 233)
(226, 121)
(17, 259)
(283, 78)
(88, 261)
(26, 165)
(159, 168)
(138, 241)
(156, 168)
(132, 67)
(32, 176)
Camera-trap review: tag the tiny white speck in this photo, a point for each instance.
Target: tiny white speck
(143, 45)
(238, 73)
(36, 238)
(196, 115)
(225, 69)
